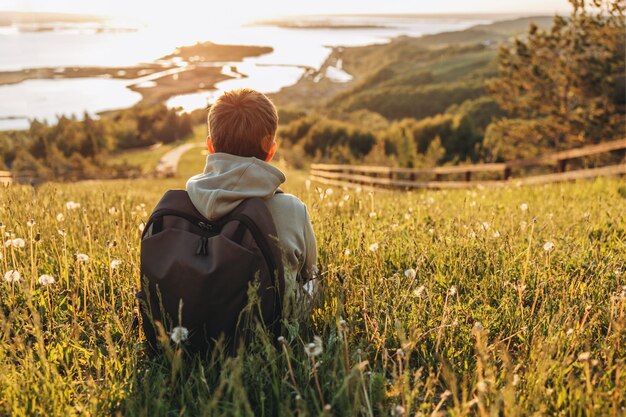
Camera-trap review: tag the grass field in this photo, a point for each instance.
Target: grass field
(485, 302)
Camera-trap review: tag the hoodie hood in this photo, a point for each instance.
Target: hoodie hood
(228, 180)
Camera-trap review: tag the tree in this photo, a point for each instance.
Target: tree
(567, 79)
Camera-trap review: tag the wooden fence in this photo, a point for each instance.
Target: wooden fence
(407, 178)
(24, 178)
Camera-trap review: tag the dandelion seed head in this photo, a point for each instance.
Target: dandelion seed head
(373, 247)
(548, 246)
(410, 273)
(419, 291)
(431, 231)
(569, 331)
(347, 252)
(516, 380)
(60, 217)
(452, 291)
(481, 386)
(372, 214)
(398, 410)
(81, 257)
(496, 234)
(72, 205)
(584, 356)
(30, 223)
(179, 334)
(141, 227)
(115, 263)
(12, 276)
(523, 207)
(485, 226)
(46, 279)
(478, 327)
(113, 211)
(329, 191)
(314, 348)
(281, 339)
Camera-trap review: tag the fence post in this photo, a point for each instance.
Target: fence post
(507, 173)
(468, 176)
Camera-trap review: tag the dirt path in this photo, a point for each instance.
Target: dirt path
(168, 164)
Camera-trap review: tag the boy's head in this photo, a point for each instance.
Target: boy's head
(243, 122)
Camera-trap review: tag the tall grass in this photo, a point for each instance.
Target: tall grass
(436, 303)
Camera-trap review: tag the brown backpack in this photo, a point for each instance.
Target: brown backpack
(196, 273)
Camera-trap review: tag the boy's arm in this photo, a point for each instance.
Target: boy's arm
(309, 268)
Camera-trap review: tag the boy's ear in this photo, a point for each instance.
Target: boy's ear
(271, 152)
(209, 145)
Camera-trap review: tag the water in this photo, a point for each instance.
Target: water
(294, 50)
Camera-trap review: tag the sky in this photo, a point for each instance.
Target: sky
(246, 10)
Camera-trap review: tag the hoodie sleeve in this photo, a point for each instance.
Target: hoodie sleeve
(309, 268)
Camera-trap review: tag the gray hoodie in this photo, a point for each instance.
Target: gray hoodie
(229, 179)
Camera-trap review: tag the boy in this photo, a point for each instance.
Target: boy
(242, 125)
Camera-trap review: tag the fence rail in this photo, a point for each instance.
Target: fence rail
(388, 177)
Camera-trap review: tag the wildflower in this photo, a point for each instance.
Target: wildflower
(281, 339)
(46, 279)
(398, 410)
(328, 407)
(16, 243)
(113, 211)
(141, 227)
(60, 217)
(549, 391)
(314, 349)
(478, 327)
(81, 257)
(472, 235)
(30, 223)
(115, 263)
(548, 246)
(584, 356)
(347, 252)
(307, 184)
(372, 214)
(452, 291)
(12, 276)
(407, 216)
(329, 191)
(455, 323)
(179, 334)
(419, 291)
(400, 352)
(523, 207)
(373, 247)
(569, 331)
(342, 322)
(481, 386)
(346, 197)
(410, 273)
(496, 234)
(430, 200)
(516, 380)
(72, 205)
(431, 231)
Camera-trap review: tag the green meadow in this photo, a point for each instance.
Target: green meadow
(478, 302)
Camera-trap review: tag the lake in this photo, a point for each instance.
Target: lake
(294, 50)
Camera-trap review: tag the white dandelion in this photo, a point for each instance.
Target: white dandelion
(407, 216)
(12, 276)
(347, 252)
(60, 217)
(315, 348)
(373, 247)
(329, 191)
(30, 223)
(496, 234)
(485, 226)
(410, 273)
(548, 246)
(179, 334)
(81, 257)
(113, 211)
(72, 205)
(452, 291)
(481, 386)
(584, 356)
(115, 263)
(16, 243)
(523, 207)
(46, 279)
(141, 227)
(372, 214)
(419, 291)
